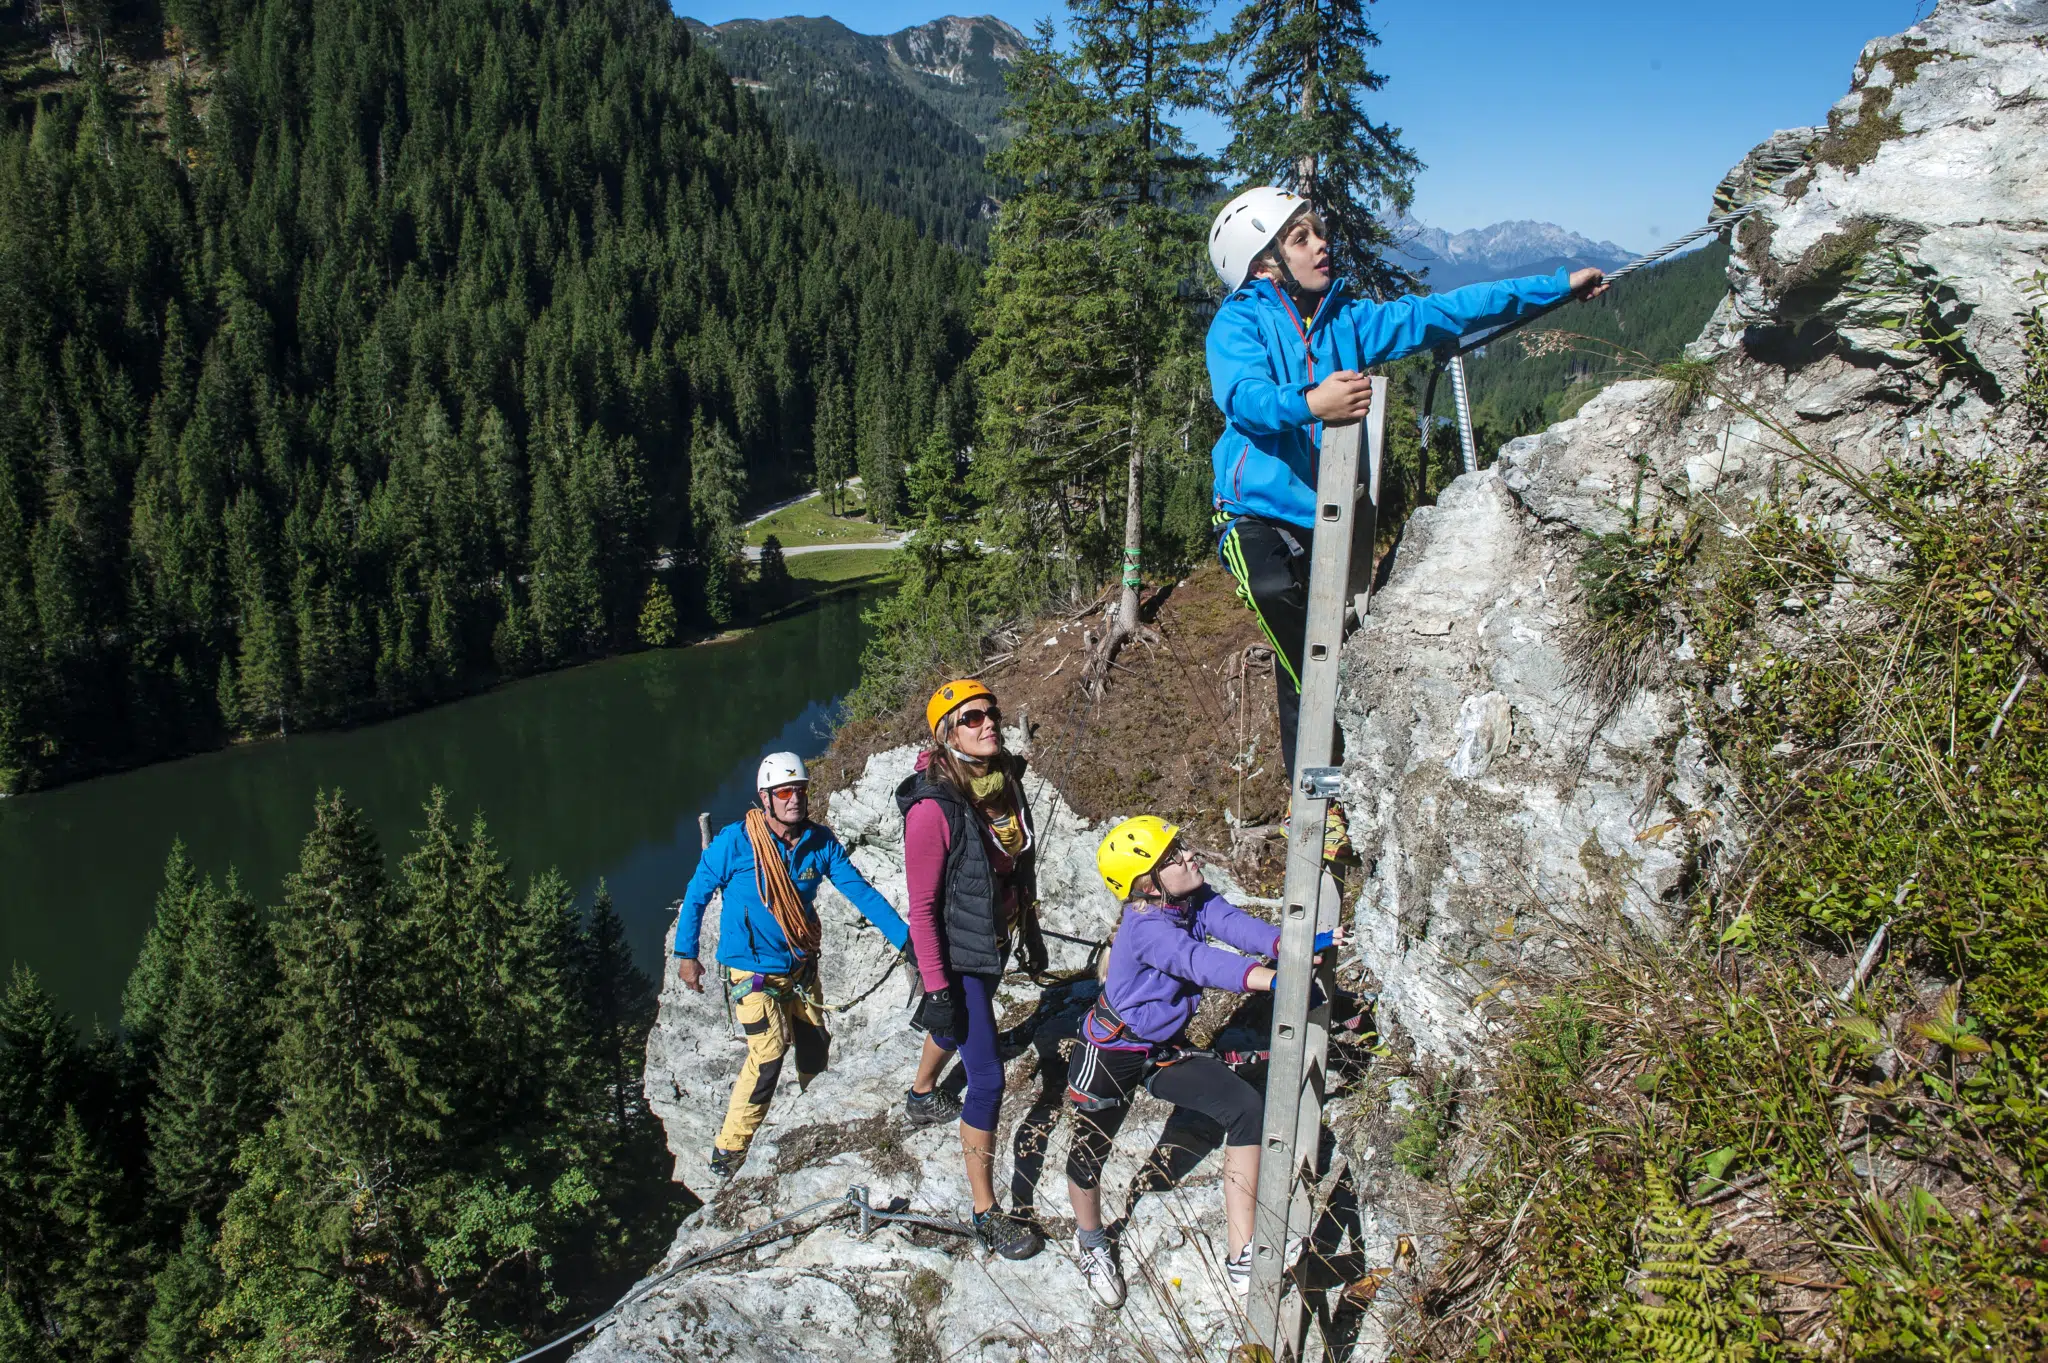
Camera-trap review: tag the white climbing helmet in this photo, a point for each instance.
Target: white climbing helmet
(1246, 226)
(780, 769)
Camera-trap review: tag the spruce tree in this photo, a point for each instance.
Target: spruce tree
(1088, 306)
(181, 1293)
(159, 969)
(210, 1087)
(658, 615)
(717, 483)
(1298, 119)
(773, 585)
(618, 1002)
(97, 1270)
(347, 1064)
(38, 1060)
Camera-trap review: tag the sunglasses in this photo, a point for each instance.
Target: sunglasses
(974, 719)
(789, 792)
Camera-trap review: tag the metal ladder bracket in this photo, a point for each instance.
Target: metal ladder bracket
(1322, 783)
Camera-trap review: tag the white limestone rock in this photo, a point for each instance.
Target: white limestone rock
(898, 1294)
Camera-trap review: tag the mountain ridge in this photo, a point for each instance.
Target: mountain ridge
(955, 64)
(1499, 250)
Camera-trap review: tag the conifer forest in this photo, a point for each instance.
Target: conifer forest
(354, 353)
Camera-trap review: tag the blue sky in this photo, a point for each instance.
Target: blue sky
(1612, 119)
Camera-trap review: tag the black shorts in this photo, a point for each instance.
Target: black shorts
(1101, 1083)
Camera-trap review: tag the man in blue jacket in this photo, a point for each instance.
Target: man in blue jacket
(1287, 352)
(767, 868)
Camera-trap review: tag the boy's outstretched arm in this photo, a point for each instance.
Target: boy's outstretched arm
(1389, 331)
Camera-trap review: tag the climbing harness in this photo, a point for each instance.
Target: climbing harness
(855, 1202)
(1450, 356)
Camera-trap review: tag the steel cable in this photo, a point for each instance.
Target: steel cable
(1445, 354)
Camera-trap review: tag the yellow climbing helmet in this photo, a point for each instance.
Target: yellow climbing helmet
(947, 697)
(1132, 848)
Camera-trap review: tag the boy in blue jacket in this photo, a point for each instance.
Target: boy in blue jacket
(1287, 352)
(768, 867)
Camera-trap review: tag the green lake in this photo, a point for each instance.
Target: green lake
(599, 771)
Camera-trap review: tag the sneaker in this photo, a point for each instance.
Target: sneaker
(929, 1109)
(1098, 1266)
(725, 1163)
(1006, 1235)
(1239, 1268)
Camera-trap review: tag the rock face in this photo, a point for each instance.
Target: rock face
(1877, 306)
(904, 1292)
(1512, 808)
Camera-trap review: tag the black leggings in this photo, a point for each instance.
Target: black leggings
(1201, 1083)
(1272, 579)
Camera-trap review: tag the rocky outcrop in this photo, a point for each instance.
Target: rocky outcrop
(1877, 305)
(1514, 804)
(904, 1292)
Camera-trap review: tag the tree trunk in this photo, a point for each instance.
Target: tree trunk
(1305, 164)
(1126, 622)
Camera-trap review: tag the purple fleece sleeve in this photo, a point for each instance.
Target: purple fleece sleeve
(1160, 945)
(1223, 920)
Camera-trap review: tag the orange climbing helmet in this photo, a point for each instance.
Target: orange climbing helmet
(949, 697)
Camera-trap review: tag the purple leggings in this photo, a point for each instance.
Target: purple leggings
(975, 1039)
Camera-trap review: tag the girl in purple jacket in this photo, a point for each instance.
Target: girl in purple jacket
(1134, 1035)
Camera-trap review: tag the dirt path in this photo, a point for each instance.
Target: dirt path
(754, 550)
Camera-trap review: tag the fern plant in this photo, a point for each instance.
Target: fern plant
(1695, 1305)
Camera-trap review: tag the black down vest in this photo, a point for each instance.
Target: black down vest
(970, 897)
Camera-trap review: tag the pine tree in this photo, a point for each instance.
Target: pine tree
(38, 1058)
(1087, 309)
(773, 585)
(658, 615)
(1298, 119)
(98, 1280)
(618, 1005)
(181, 1293)
(717, 483)
(210, 1089)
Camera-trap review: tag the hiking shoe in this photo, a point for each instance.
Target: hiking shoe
(725, 1163)
(1006, 1235)
(1337, 849)
(929, 1109)
(1098, 1266)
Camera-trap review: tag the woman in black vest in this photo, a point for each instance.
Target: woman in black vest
(968, 862)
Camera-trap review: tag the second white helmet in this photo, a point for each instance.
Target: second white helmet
(1246, 226)
(780, 769)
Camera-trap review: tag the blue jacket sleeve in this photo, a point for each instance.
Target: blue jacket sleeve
(851, 883)
(1159, 945)
(714, 868)
(1223, 920)
(1388, 331)
(1241, 375)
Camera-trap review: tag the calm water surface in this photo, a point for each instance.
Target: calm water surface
(599, 771)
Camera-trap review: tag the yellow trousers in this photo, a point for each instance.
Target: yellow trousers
(774, 1023)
